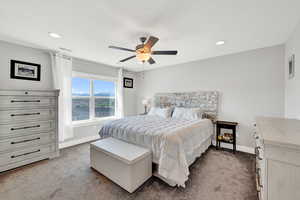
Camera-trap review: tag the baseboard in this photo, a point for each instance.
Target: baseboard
(95, 137)
(238, 147)
(245, 149)
(77, 141)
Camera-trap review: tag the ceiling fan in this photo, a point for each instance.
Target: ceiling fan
(144, 51)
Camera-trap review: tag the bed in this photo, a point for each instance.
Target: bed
(175, 143)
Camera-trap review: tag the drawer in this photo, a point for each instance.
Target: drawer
(26, 101)
(285, 154)
(29, 92)
(29, 128)
(24, 154)
(27, 141)
(14, 116)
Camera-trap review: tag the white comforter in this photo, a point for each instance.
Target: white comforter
(175, 143)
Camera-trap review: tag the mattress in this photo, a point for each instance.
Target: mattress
(174, 143)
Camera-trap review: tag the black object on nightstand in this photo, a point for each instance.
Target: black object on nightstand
(229, 138)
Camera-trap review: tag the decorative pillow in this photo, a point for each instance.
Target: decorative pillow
(187, 113)
(162, 112)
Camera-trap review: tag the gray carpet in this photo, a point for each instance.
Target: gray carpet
(217, 175)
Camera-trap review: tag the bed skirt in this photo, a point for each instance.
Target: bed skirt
(191, 159)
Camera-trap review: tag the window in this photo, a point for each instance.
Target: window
(92, 97)
(81, 99)
(104, 92)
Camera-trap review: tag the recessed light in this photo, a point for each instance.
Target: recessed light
(221, 42)
(54, 35)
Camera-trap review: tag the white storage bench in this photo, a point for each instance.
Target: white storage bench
(125, 164)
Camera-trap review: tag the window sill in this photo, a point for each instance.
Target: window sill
(92, 122)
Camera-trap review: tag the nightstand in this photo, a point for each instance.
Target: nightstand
(229, 138)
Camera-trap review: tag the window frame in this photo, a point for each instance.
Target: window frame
(92, 98)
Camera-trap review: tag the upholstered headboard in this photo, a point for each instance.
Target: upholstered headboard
(206, 100)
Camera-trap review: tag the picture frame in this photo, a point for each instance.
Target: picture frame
(25, 70)
(291, 69)
(127, 82)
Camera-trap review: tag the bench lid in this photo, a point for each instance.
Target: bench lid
(121, 150)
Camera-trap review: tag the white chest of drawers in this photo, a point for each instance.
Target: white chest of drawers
(278, 158)
(28, 127)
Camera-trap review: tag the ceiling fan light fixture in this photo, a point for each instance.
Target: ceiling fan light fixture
(143, 52)
(221, 42)
(143, 56)
(54, 35)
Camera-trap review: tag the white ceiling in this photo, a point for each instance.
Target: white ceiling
(191, 27)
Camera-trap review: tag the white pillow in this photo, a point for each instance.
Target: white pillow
(187, 113)
(162, 112)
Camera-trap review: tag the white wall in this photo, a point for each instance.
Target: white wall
(130, 95)
(251, 83)
(9, 52)
(94, 68)
(292, 86)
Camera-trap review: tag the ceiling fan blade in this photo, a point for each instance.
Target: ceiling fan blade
(121, 48)
(151, 41)
(127, 58)
(151, 61)
(164, 52)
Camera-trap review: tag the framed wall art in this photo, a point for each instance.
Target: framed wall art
(25, 70)
(128, 82)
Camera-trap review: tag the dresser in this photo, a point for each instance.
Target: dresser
(28, 127)
(277, 158)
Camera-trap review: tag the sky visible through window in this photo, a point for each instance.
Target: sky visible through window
(104, 88)
(81, 87)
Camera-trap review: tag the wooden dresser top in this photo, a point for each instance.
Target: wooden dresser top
(279, 131)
